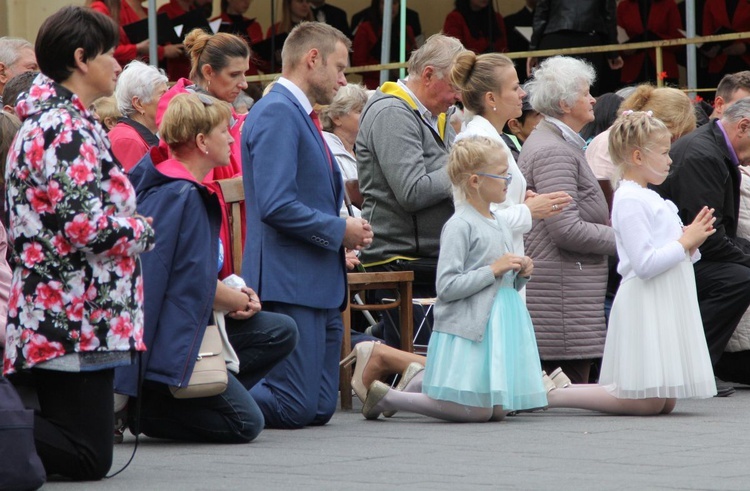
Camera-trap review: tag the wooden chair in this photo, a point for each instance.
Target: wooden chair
(400, 281)
(234, 194)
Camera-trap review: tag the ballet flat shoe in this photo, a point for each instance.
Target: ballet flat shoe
(413, 369)
(377, 392)
(549, 385)
(560, 379)
(360, 355)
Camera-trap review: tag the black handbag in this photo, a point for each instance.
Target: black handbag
(20, 466)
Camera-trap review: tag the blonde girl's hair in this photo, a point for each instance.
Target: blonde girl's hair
(189, 115)
(672, 106)
(469, 156)
(106, 107)
(632, 130)
(475, 75)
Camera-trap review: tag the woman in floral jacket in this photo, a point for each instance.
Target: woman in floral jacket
(75, 310)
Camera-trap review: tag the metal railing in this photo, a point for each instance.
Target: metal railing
(657, 45)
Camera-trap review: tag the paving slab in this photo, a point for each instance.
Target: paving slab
(703, 445)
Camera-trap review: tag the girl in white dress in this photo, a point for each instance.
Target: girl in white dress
(656, 350)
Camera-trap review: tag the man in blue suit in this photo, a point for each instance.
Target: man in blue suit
(294, 253)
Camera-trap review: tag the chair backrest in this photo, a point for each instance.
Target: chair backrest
(234, 195)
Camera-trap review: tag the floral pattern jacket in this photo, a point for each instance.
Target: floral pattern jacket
(75, 235)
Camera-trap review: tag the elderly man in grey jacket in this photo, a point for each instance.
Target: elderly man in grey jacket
(402, 149)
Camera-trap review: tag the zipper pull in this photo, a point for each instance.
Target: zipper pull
(580, 267)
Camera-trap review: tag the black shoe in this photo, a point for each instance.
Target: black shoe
(724, 391)
(121, 424)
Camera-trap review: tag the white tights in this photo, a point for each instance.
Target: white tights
(413, 400)
(596, 398)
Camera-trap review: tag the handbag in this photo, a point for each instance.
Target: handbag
(230, 356)
(20, 466)
(209, 377)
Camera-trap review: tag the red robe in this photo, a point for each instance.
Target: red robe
(664, 21)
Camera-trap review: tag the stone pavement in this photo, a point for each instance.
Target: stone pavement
(704, 444)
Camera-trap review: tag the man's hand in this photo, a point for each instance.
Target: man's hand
(358, 233)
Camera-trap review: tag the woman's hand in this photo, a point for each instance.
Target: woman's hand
(697, 232)
(142, 47)
(352, 260)
(615, 63)
(505, 263)
(173, 51)
(527, 268)
(547, 205)
(252, 306)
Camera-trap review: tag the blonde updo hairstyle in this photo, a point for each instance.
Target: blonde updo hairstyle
(475, 75)
(214, 50)
(188, 115)
(672, 106)
(632, 130)
(469, 156)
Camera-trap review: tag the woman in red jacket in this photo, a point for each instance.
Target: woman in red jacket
(720, 18)
(367, 43)
(125, 12)
(476, 24)
(649, 21)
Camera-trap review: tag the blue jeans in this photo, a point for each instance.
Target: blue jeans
(260, 343)
(232, 417)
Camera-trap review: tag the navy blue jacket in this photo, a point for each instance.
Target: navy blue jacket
(179, 274)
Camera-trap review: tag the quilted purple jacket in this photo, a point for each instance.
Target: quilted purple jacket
(566, 295)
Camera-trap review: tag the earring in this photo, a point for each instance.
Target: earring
(494, 108)
(206, 152)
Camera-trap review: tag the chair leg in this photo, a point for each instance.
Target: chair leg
(345, 373)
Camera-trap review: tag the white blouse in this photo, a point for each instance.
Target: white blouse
(647, 228)
(515, 213)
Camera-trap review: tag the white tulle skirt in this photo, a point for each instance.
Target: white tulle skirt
(655, 344)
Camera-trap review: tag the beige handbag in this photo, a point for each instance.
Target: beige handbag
(209, 376)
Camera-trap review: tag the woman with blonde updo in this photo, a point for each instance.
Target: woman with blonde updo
(671, 106)
(182, 290)
(656, 351)
(491, 91)
(482, 359)
(219, 63)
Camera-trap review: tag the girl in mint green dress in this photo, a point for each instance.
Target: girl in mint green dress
(482, 359)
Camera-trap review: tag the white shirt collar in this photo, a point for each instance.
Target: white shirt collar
(423, 111)
(568, 134)
(297, 93)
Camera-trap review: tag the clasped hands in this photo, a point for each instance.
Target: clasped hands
(252, 306)
(358, 234)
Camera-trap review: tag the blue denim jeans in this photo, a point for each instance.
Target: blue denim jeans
(260, 343)
(232, 417)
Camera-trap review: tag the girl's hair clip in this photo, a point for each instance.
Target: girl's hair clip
(650, 114)
(627, 112)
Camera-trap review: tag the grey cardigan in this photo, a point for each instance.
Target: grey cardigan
(466, 286)
(403, 178)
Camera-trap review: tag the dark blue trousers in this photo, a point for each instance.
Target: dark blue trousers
(302, 389)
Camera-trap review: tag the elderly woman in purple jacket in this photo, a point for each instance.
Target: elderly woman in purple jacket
(566, 298)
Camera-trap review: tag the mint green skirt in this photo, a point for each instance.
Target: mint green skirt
(501, 370)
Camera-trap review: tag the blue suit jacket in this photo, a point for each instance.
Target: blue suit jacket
(293, 194)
